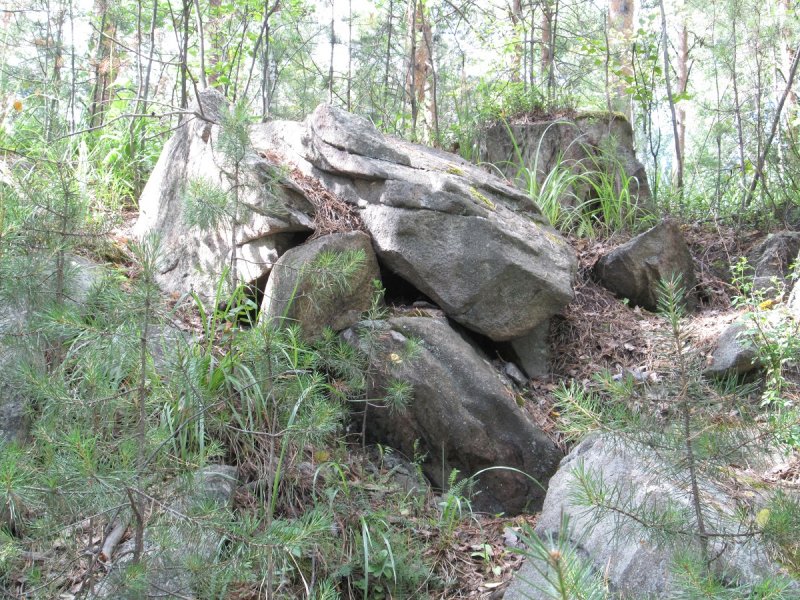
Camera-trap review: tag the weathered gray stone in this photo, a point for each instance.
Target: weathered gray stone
(636, 269)
(514, 373)
(298, 292)
(734, 353)
(461, 413)
(635, 567)
(533, 350)
(587, 143)
(771, 262)
(167, 571)
(270, 207)
(473, 244)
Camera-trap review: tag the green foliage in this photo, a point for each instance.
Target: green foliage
(773, 334)
(330, 273)
(233, 142)
(609, 203)
(693, 448)
(388, 561)
(16, 477)
(582, 411)
(454, 504)
(489, 102)
(206, 205)
(780, 521)
(562, 573)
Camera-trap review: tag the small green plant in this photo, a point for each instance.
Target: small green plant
(780, 522)
(556, 194)
(562, 573)
(454, 504)
(693, 447)
(774, 334)
(485, 553)
(583, 197)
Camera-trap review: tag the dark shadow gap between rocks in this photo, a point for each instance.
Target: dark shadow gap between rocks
(400, 293)
(254, 296)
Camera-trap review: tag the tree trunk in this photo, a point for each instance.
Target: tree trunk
(788, 54)
(431, 131)
(104, 65)
(214, 37)
(422, 85)
(349, 55)
(549, 26)
(412, 83)
(202, 43)
(388, 58)
(737, 104)
(762, 156)
(266, 74)
(517, 56)
(55, 55)
(547, 41)
(333, 44)
(184, 50)
(620, 26)
(678, 178)
(683, 82)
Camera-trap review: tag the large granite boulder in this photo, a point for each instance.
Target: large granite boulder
(622, 554)
(476, 246)
(306, 285)
(592, 142)
(466, 239)
(636, 269)
(461, 414)
(271, 210)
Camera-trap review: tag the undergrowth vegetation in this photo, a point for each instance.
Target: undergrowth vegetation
(589, 196)
(697, 433)
(117, 416)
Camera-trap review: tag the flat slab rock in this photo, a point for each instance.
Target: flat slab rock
(633, 566)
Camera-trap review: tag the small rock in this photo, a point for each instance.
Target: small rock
(514, 373)
(533, 350)
(297, 294)
(734, 353)
(636, 269)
